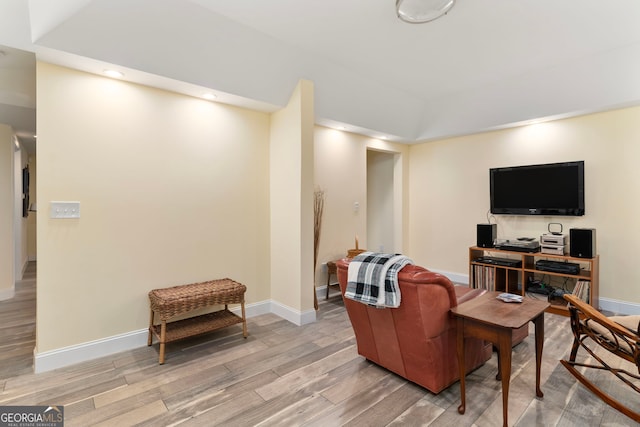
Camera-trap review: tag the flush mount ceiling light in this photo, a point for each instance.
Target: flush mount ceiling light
(209, 96)
(419, 11)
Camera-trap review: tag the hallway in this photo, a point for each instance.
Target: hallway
(18, 327)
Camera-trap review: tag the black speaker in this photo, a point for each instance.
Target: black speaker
(582, 242)
(486, 235)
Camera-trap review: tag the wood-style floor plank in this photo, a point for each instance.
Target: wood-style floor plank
(288, 375)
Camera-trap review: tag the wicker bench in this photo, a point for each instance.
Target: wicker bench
(168, 303)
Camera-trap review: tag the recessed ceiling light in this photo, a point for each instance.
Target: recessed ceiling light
(209, 95)
(420, 11)
(113, 73)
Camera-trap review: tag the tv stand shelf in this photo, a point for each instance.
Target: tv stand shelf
(514, 279)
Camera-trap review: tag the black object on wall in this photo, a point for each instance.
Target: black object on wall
(486, 235)
(548, 189)
(582, 242)
(25, 191)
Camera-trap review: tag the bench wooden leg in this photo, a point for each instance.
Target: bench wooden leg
(163, 337)
(150, 339)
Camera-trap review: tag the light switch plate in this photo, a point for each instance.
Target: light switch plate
(64, 210)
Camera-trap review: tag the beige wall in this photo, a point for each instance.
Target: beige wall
(380, 212)
(7, 248)
(175, 189)
(449, 191)
(172, 190)
(341, 171)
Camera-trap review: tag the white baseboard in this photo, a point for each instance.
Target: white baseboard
(321, 292)
(59, 358)
(459, 279)
(7, 293)
(49, 360)
(253, 309)
(619, 307)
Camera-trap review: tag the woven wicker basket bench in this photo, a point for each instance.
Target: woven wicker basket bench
(168, 303)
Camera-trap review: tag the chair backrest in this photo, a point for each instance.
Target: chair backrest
(418, 339)
(618, 339)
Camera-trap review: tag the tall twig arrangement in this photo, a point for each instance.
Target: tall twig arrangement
(318, 208)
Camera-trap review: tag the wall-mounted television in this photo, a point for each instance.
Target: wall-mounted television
(548, 189)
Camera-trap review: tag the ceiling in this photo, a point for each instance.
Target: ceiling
(486, 65)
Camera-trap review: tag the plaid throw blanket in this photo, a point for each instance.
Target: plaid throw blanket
(373, 279)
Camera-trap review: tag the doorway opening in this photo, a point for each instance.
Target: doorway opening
(384, 202)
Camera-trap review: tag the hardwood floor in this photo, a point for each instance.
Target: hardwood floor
(286, 375)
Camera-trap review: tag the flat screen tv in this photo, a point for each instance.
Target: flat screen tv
(549, 189)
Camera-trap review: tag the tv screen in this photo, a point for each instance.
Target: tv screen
(549, 189)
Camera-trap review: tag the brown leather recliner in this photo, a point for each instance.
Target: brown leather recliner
(418, 339)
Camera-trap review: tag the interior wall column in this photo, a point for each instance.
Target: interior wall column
(291, 198)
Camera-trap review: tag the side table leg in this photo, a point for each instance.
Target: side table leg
(539, 324)
(461, 363)
(328, 284)
(504, 354)
(244, 321)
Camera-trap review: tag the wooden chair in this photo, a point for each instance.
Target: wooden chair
(618, 335)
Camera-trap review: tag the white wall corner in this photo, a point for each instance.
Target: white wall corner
(294, 316)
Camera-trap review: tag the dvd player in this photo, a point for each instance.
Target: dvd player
(518, 248)
(503, 262)
(518, 245)
(558, 267)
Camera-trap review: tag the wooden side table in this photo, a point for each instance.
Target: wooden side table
(493, 320)
(331, 270)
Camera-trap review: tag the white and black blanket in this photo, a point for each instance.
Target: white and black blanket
(373, 279)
